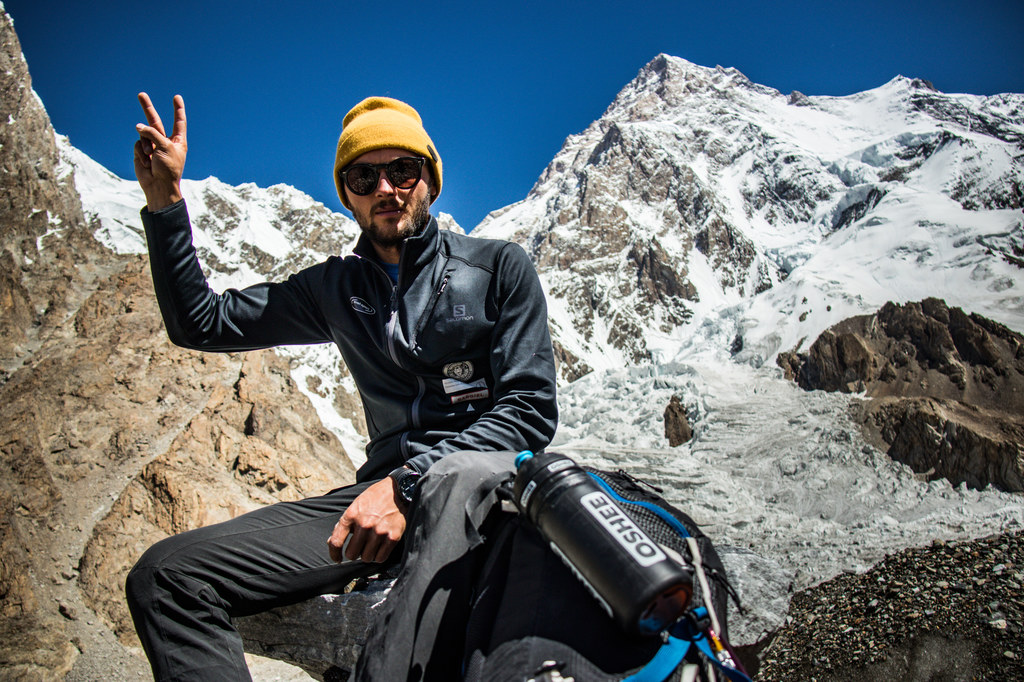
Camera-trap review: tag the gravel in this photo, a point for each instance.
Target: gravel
(949, 611)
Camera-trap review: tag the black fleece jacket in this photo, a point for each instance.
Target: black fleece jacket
(456, 356)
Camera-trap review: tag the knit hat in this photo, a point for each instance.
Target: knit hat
(382, 123)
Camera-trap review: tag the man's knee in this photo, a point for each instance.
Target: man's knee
(169, 561)
(474, 464)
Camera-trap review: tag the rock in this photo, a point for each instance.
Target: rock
(945, 388)
(217, 436)
(43, 246)
(45, 253)
(324, 635)
(951, 439)
(915, 629)
(677, 424)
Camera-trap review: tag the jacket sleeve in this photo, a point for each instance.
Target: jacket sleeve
(259, 316)
(525, 411)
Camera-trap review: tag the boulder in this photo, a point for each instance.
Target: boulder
(324, 635)
(677, 424)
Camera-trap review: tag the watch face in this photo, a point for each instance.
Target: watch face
(407, 486)
(407, 481)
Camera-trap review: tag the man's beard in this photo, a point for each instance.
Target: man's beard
(418, 213)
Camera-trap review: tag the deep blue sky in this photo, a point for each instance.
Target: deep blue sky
(499, 86)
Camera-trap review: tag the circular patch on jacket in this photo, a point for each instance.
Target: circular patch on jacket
(361, 306)
(460, 371)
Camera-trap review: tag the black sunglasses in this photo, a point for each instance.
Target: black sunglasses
(403, 173)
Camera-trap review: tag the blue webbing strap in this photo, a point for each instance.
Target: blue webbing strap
(668, 658)
(685, 629)
(672, 653)
(664, 515)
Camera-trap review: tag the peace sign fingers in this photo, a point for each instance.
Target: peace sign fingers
(159, 160)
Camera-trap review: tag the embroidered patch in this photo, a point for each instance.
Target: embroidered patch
(475, 395)
(456, 386)
(361, 306)
(460, 371)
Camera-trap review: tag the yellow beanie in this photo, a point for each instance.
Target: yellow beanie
(382, 123)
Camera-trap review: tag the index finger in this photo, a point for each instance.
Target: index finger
(152, 117)
(336, 543)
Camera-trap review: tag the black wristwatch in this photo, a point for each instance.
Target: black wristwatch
(406, 481)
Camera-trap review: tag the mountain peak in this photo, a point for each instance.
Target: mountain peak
(700, 200)
(666, 83)
(902, 82)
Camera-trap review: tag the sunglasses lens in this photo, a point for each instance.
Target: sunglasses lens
(362, 178)
(405, 172)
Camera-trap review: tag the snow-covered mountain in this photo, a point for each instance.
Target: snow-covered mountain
(705, 212)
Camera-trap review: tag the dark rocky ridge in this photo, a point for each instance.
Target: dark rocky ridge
(944, 389)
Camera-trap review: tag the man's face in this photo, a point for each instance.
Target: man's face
(389, 215)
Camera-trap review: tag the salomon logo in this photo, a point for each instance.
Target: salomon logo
(361, 306)
(459, 314)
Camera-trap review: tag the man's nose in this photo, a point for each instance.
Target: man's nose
(384, 185)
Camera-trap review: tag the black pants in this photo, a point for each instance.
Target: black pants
(185, 589)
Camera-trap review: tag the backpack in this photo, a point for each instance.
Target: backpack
(532, 619)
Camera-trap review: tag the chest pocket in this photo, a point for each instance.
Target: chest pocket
(455, 324)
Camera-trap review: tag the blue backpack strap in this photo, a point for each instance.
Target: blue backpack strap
(687, 629)
(664, 515)
(671, 655)
(668, 658)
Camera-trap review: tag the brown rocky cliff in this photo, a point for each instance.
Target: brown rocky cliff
(233, 434)
(110, 437)
(944, 388)
(46, 255)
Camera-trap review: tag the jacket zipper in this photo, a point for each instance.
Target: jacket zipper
(430, 311)
(389, 332)
(421, 390)
(389, 328)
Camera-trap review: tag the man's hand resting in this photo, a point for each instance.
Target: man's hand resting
(160, 160)
(375, 523)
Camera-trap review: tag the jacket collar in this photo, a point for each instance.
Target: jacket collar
(417, 251)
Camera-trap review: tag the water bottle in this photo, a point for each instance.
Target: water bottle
(633, 578)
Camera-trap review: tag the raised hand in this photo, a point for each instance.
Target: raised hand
(160, 160)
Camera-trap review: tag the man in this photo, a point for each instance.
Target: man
(445, 335)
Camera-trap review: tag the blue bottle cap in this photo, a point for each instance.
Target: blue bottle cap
(522, 457)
